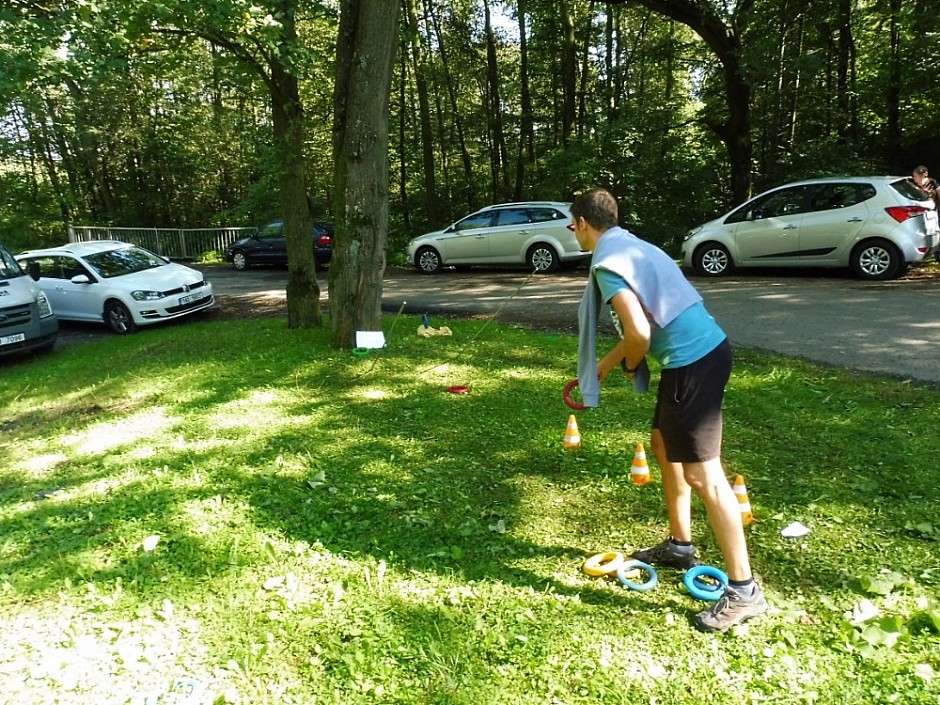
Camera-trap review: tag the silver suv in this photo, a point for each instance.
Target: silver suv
(875, 225)
(538, 234)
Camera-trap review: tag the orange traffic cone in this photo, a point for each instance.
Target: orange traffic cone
(572, 436)
(640, 470)
(744, 503)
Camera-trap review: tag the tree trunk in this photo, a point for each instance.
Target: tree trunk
(465, 157)
(403, 110)
(844, 58)
(424, 112)
(303, 293)
(526, 128)
(365, 53)
(499, 156)
(893, 92)
(569, 71)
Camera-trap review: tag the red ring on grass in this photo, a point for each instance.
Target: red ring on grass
(566, 395)
(458, 389)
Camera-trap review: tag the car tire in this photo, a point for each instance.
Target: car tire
(712, 260)
(542, 258)
(239, 260)
(118, 318)
(428, 260)
(877, 260)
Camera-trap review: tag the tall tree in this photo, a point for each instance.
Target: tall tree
(526, 153)
(569, 70)
(499, 159)
(722, 32)
(424, 113)
(465, 157)
(365, 53)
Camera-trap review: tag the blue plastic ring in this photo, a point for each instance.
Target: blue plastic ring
(701, 590)
(627, 566)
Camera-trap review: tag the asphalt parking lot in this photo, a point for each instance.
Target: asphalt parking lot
(829, 317)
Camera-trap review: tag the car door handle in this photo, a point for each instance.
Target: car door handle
(854, 220)
(789, 227)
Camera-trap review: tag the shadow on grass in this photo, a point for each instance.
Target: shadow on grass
(415, 476)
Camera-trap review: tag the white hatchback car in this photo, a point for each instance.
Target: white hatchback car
(538, 234)
(121, 285)
(875, 225)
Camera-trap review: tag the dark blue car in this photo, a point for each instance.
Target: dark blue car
(269, 246)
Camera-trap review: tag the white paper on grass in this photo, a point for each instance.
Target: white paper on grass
(794, 530)
(370, 339)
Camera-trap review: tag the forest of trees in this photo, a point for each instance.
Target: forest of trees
(159, 113)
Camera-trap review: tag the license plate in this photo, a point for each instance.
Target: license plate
(10, 339)
(930, 218)
(192, 297)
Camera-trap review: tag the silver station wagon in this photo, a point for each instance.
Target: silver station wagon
(537, 234)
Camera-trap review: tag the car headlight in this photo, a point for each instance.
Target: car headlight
(141, 295)
(45, 308)
(692, 233)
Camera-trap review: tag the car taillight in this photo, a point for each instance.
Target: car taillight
(902, 213)
(324, 241)
(570, 227)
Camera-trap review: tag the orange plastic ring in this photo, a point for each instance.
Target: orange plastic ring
(566, 395)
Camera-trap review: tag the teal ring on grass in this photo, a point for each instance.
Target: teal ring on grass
(627, 566)
(701, 590)
(360, 352)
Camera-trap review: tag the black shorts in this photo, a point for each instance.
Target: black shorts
(688, 408)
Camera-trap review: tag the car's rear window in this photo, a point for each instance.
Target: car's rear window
(830, 195)
(908, 189)
(540, 215)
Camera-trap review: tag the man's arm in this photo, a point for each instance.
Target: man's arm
(636, 334)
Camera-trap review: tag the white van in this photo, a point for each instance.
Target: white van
(27, 321)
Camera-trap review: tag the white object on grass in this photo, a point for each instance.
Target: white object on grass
(795, 530)
(370, 339)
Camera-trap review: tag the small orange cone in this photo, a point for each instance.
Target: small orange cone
(572, 435)
(744, 503)
(640, 470)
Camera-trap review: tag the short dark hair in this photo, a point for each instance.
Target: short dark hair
(921, 170)
(598, 207)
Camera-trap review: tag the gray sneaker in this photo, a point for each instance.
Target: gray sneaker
(669, 555)
(730, 609)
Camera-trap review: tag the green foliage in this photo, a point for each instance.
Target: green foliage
(115, 112)
(238, 503)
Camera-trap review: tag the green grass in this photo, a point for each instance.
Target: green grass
(237, 503)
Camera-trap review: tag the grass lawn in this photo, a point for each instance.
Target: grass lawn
(235, 509)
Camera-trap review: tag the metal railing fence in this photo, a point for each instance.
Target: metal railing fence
(175, 243)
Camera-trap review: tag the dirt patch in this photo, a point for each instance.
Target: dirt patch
(245, 306)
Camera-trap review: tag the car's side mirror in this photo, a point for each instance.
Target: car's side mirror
(80, 279)
(33, 269)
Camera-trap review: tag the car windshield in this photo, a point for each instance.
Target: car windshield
(9, 267)
(116, 263)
